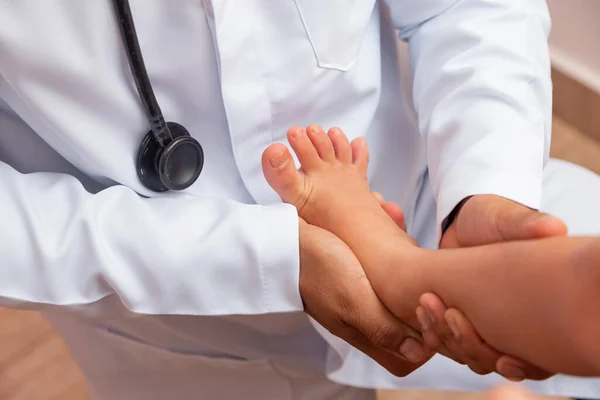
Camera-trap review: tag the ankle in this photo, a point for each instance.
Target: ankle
(402, 280)
(402, 264)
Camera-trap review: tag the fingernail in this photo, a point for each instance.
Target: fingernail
(512, 373)
(542, 219)
(454, 330)
(423, 320)
(431, 318)
(412, 350)
(279, 160)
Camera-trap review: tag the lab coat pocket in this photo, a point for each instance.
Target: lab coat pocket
(126, 367)
(335, 29)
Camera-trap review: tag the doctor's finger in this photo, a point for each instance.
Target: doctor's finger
(393, 363)
(430, 314)
(445, 335)
(352, 330)
(478, 355)
(374, 321)
(455, 334)
(517, 370)
(438, 335)
(428, 320)
(393, 210)
(396, 214)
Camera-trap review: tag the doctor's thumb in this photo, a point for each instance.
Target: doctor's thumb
(485, 219)
(521, 223)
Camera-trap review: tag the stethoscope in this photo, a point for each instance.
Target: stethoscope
(168, 157)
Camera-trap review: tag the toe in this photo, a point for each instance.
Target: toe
(304, 149)
(322, 143)
(360, 154)
(341, 145)
(281, 173)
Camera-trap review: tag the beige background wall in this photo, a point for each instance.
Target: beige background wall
(575, 39)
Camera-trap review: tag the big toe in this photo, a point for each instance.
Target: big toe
(281, 173)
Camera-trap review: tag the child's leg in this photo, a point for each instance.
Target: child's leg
(535, 300)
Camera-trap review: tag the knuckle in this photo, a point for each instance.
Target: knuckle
(448, 337)
(346, 308)
(477, 353)
(479, 363)
(473, 356)
(455, 352)
(349, 333)
(432, 342)
(383, 337)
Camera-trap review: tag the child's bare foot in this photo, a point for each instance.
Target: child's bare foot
(327, 165)
(331, 191)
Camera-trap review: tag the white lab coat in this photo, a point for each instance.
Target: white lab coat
(195, 294)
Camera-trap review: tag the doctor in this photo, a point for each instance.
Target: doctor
(167, 263)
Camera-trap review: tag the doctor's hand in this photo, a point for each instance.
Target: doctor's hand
(484, 219)
(337, 294)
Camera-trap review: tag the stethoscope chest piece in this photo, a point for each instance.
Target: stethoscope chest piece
(169, 158)
(173, 165)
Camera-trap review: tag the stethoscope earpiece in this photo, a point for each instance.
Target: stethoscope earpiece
(169, 158)
(174, 165)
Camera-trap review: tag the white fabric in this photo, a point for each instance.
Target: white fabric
(482, 90)
(147, 289)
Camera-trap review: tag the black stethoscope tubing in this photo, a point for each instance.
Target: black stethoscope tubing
(168, 157)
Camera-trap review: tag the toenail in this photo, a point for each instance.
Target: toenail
(279, 160)
(297, 133)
